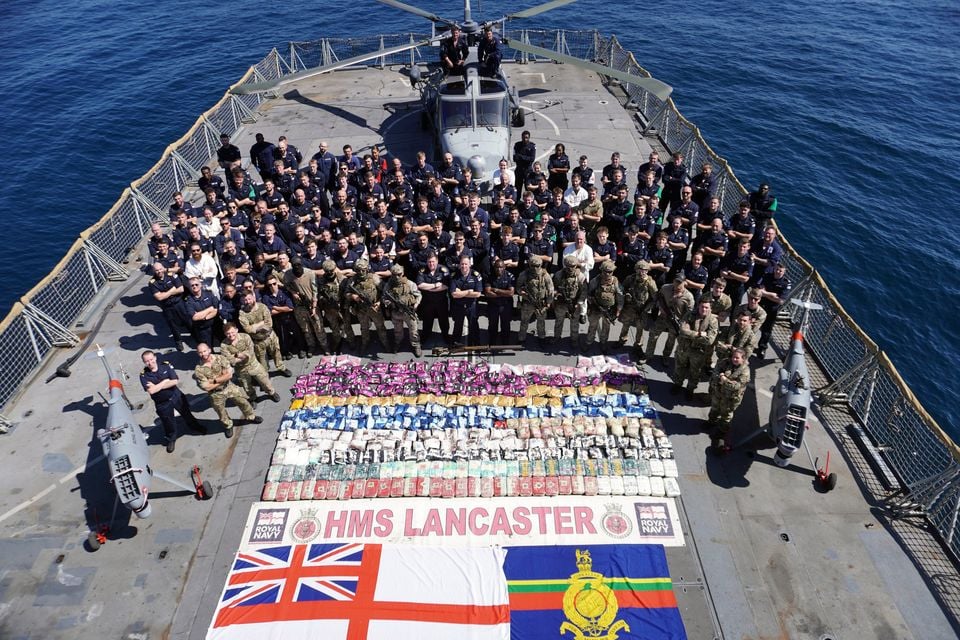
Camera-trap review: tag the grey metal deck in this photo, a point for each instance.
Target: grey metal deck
(767, 556)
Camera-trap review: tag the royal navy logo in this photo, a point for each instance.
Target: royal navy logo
(306, 527)
(590, 605)
(614, 523)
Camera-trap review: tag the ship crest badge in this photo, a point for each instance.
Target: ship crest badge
(590, 605)
(614, 523)
(307, 527)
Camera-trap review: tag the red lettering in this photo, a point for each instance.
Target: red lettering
(583, 520)
(408, 529)
(476, 528)
(500, 524)
(433, 525)
(335, 524)
(456, 522)
(561, 520)
(522, 520)
(384, 523)
(360, 524)
(541, 513)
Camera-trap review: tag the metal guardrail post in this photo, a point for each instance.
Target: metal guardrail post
(653, 121)
(413, 52)
(144, 208)
(182, 170)
(381, 60)
(109, 268)
(211, 136)
(293, 57)
(43, 326)
(242, 114)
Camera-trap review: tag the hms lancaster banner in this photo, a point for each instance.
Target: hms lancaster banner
(468, 522)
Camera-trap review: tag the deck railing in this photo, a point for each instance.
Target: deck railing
(48, 316)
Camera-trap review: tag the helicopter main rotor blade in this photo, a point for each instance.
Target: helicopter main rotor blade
(654, 86)
(540, 8)
(263, 87)
(396, 4)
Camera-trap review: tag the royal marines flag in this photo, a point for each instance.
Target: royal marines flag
(387, 592)
(596, 591)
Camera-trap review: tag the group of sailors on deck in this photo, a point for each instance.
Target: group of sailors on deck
(313, 248)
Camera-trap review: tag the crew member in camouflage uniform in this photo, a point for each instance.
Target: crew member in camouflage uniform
(365, 305)
(698, 332)
(302, 286)
(255, 319)
(407, 294)
(752, 308)
(213, 375)
(674, 301)
(238, 350)
(535, 289)
(604, 303)
(739, 335)
(720, 305)
(328, 304)
(570, 290)
(726, 393)
(639, 294)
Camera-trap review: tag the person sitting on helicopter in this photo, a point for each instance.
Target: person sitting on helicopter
(453, 52)
(489, 53)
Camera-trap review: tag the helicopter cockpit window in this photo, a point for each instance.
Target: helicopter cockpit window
(455, 114)
(492, 112)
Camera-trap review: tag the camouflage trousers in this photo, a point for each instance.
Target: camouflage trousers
(636, 318)
(338, 328)
(689, 365)
(529, 312)
(412, 324)
(219, 397)
(722, 408)
(268, 347)
(564, 310)
(254, 372)
(366, 316)
(311, 327)
(597, 326)
(661, 326)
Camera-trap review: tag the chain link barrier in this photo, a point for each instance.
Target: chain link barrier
(913, 442)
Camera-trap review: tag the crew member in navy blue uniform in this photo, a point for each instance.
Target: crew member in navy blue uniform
(674, 177)
(433, 284)
(775, 287)
(290, 155)
(558, 168)
(209, 181)
(632, 250)
(742, 226)
(202, 310)
(615, 212)
(714, 247)
(261, 156)
(498, 292)
(489, 53)
(763, 205)
(524, 155)
(704, 184)
(696, 275)
(167, 290)
(160, 381)
(465, 287)
(687, 210)
(660, 259)
(326, 165)
(737, 269)
(652, 164)
(228, 155)
(678, 239)
(767, 252)
(538, 245)
(453, 52)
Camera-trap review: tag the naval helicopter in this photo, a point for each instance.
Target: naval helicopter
(470, 113)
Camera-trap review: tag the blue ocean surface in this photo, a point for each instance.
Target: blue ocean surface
(848, 109)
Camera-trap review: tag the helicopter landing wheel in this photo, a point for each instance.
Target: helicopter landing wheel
(519, 118)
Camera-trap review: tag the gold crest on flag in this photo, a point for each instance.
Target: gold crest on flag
(590, 605)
